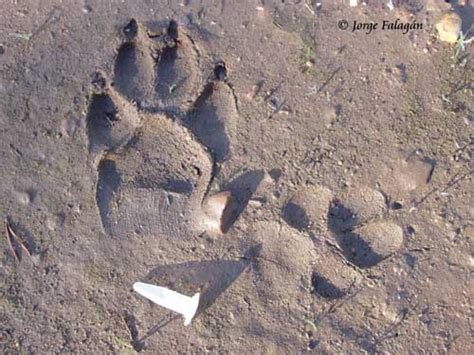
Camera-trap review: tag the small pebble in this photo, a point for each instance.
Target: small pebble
(86, 9)
(38, 156)
(255, 203)
(55, 221)
(449, 27)
(22, 197)
(51, 223)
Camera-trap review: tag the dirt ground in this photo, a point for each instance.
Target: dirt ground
(347, 157)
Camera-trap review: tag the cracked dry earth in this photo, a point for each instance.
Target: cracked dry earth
(194, 152)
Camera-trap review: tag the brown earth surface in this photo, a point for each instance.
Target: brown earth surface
(342, 161)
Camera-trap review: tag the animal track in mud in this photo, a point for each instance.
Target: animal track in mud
(154, 172)
(158, 71)
(214, 116)
(356, 221)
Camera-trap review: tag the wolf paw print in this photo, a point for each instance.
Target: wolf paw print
(355, 223)
(154, 171)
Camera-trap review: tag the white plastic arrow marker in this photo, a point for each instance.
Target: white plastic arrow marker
(177, 302)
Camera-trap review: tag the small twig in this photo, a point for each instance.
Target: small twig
(131, 329)
(278, 109)
(461, 43)
(156, 328)
(308, 7)
(391, 328)
(10, 242)
(454, 181)
(272, 91)
(338, 303)
(14, 238)
(314, 91)
(256, 89)
(337, 250)
(130, 323)
(53, 16)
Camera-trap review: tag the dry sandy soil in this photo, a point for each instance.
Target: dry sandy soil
(348, 157)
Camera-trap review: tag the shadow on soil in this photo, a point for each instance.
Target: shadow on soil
(242, 189)
(107, 185)
(101, 116)
(295, 216)
(467, 16)
(205, 123)
(325, 288)
(211, 277)
(341, 222)
(139, 343)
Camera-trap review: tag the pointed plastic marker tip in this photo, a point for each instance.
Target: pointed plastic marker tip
(172, 300)
(194, 305)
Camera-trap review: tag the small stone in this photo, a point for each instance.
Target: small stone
(255, 203)
(86, 9)
(330, 113)
(22, 197)
(449, 27)
(214, 207)
(53, 222)
(38, 156)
